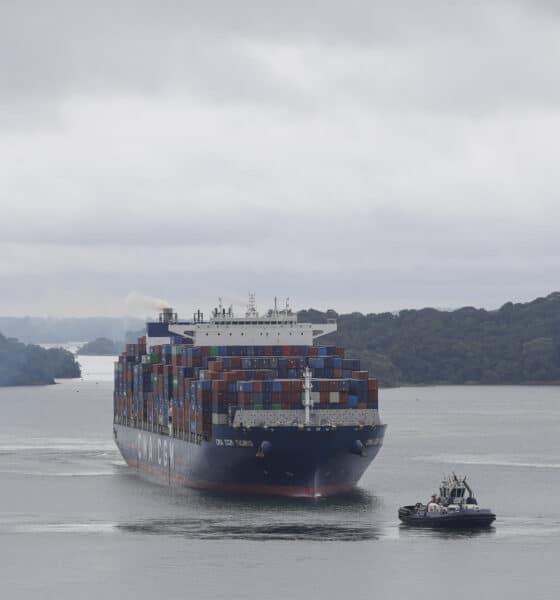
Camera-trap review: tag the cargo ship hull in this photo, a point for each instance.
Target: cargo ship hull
(284, 461)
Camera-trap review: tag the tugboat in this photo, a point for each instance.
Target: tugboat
(454, 508)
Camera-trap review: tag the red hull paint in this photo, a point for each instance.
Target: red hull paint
(154, 473)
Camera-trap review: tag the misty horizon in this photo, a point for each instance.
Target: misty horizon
(262, 308)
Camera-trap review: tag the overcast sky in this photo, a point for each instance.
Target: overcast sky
(358, 155)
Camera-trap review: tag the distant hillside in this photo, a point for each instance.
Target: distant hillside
(58, 331)
(518, 343)
(33, 365)
(101, 347)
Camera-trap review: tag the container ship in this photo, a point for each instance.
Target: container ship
(246, 404)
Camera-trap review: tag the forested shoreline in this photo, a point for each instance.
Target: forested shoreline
(22, 364)
(515, 344)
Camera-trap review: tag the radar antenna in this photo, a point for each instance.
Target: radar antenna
(252, 306)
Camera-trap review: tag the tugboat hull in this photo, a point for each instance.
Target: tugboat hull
(463, 519)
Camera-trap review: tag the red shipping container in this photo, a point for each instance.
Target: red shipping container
(178, 418)
(361, 375)
(215, 366)
(372, 384)
(219, 385)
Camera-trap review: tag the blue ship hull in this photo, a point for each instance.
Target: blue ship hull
(284, 461)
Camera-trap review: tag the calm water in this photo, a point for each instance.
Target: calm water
(75, 523)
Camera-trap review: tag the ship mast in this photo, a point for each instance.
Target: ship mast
(307, 393)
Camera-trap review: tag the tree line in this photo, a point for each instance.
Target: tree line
(517, 343)
(22, 364)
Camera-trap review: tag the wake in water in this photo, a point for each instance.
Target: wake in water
(489, 460)
(59, 457)
(9, 446)
(57, 473)
(221, 529)
(203, 529)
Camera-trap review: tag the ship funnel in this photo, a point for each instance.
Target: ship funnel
(167, 315)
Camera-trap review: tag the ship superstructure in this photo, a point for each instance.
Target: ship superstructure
(277, 327)
(245, 404)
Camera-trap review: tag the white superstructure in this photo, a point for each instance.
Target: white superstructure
(276, 328)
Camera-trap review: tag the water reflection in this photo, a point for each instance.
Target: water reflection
(445, 534)
(223, 529)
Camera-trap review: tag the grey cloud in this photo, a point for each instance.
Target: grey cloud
(113, 48)
(438, 56)
(367, 155)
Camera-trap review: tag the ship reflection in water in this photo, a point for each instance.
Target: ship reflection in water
(342, 518)
(224, 529)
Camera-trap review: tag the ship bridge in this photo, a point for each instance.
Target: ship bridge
(224, 328)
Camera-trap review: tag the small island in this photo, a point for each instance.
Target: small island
(101, 346)
(22, 364)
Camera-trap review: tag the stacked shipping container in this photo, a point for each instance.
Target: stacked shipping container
(190, 387)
